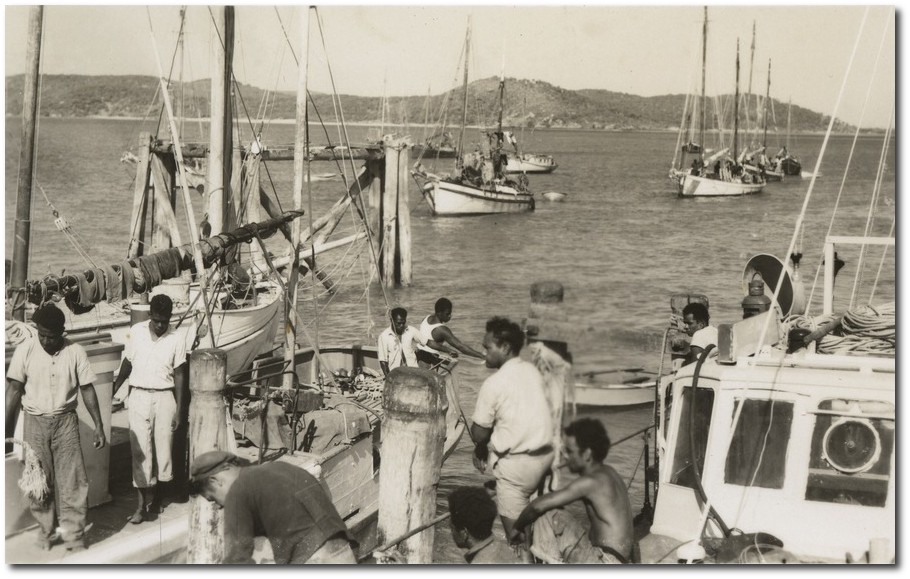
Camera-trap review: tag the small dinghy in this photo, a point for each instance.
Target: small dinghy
(554, 196)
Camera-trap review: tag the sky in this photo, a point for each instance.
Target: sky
(402, 50)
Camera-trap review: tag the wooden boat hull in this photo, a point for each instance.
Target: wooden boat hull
(447, 198)
(615, 395)
(791, 166)
(694, 186)
(530, 164)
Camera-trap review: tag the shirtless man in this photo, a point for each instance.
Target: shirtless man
(435, 334)
(599, 487)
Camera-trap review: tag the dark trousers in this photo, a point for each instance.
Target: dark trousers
(55, 439)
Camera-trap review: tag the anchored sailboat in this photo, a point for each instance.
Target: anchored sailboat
(480, 185)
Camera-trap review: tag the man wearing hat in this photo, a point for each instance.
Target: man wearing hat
(277, 500)
(45, 374)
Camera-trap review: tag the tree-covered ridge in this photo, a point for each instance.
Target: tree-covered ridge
(529, 103)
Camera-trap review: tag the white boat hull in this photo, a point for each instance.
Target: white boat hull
(446, 198)
(694, 186)
(242, 333)
(615, 395)
(531, 164)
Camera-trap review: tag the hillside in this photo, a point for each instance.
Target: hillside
(529, 103)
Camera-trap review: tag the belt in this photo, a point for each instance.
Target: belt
(539, 452)
(611, 551)
(152, 389)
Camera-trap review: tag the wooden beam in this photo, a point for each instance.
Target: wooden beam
(167, 233)
(404, 214)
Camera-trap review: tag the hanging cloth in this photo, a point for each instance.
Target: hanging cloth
(113, 284)
(128, 278)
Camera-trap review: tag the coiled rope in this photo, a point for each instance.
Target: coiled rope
(864, 329)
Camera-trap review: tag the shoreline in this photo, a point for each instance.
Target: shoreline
(373, 124)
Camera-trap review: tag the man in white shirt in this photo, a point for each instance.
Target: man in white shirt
(155, 360)
(513, 421)
(695, 317)
(396, 345)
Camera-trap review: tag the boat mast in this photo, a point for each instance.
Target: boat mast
(23, 225)
(181, 112)
(789, 102)
(301, 162)
(464, 107)
(764, 139)
(704, 100)
(736, 110)
(218, 173)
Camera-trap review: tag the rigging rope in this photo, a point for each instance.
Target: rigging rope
(840, 191)
(818, 162)
(870, 217)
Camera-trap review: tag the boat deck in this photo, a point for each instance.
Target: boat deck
(110, 538)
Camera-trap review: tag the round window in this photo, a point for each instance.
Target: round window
(852, 445)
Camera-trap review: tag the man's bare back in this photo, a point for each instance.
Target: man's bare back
(609, 512)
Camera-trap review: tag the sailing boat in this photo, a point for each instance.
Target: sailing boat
(788, 163)
(779, 444)
(480, 185)
(717, 175)
(763, 166)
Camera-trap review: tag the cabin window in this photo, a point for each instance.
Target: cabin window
(852, 446)
(758, 450)
(683, 471)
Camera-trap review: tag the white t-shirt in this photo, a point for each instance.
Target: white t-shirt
(154, 358)
(704, 338)
(399, 350)
(513, 403)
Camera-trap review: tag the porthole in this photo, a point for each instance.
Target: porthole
(851, 445)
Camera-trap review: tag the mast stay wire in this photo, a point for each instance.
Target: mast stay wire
(847, 165)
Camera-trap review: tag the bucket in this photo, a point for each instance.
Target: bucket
(177, 289)
(138, 313)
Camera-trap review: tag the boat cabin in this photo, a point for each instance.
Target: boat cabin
(798, 445)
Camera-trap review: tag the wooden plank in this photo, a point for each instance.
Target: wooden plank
(404, 214)
(167, 233)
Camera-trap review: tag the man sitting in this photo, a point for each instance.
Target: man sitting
(557, 536)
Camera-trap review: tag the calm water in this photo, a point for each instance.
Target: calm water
(621, 244)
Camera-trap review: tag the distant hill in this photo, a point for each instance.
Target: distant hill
(528, 103)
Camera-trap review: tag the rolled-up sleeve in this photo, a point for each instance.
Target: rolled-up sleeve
(485, 409)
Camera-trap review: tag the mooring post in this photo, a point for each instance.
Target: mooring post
(404, 213)
(547, 320)
(388, 212)
(208, 431)
(140, 194)
(413, 429)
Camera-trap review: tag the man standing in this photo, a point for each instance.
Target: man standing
(155, 360)
(472, 513)
(396, 343)
(277, 500)
(603, 493)
(45, 375)
(435, 334)
(695, 317)
(512, 419)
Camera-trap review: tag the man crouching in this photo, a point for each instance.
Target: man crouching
(276, 500)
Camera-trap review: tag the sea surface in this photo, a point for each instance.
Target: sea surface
(621, 243)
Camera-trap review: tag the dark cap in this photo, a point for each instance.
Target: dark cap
(209, 463)
(50, 317)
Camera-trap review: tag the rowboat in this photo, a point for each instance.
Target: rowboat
(554, 196)
(628, 394)
(530, 163)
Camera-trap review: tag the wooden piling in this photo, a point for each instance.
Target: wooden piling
(140, 194)
(413, 429)
(388, 213)
(547, 320)
(208, 431)
(404, 214)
